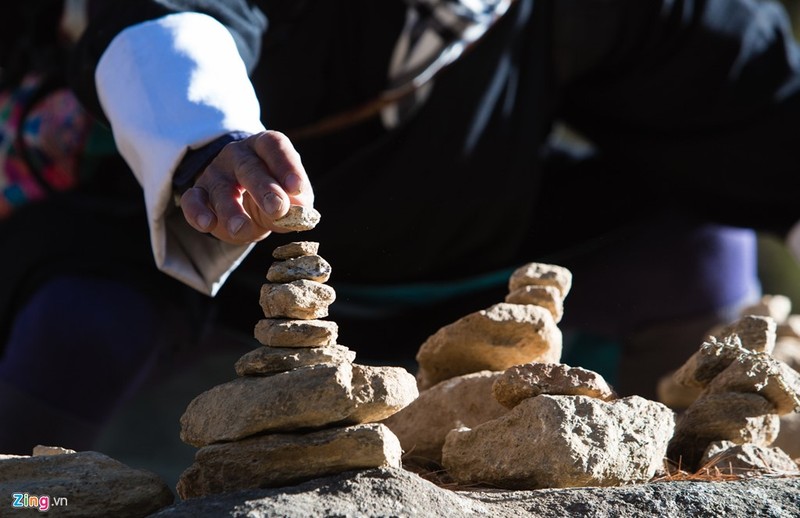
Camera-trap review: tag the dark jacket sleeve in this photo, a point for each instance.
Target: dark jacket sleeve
(107, 19)
(699, 100)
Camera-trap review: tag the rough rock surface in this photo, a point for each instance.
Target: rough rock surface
(272, 460)
(310, 267)
(93, 485)
(540, 274)
(563, 441)
(760, 373)
(278, 332)
(532, 379)
(712, 358)
(548, 297)
(789, 436)
(461, 401)
(295, 249)
(787, 350)
(272, 360)
(493, 339)
(747, 459)
(308, 397)
(730, 416)
(394, 492)
(756, 332)
(303, 299)
(298, 218)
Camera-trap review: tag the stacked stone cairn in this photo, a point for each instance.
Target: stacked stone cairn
(737, 392)
(300, 408)
(504, 411)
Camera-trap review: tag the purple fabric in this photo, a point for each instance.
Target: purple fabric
(82, 344)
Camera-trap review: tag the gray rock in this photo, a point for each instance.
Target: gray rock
(272, 360)
(90, 484)
(298, 218)
(285, 459)
(279, 332)
(540, 274)
(295, 249)
(309, 267)
(461, 401)
(548, 297)
(303, 299)
(563, 441)
(396, 492)
(493, 339)
(532, 379)
(727, 416)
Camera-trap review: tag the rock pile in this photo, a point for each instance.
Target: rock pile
(520, 330)
(505, 412)
(300, 407)
(742, 392)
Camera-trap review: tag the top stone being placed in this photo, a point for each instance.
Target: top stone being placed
(298, 219)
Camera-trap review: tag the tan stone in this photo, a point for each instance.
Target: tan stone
(787, 350)
(713, 357)
(755, 332)
(731, 416)
(380, 391)
(305, 300)
(540, 274)
(675, 395)
(42, 451)
(461, 401)
(760, 373)
(295, 249)
(286, 459)
(298, 218)
(91, 484)
(303, 398)
(493, 339)
(309, 267)
(272, 360)
(791, 327)
(549, 297)
(727, 458)
(277, 332)
(532, 379)
(563, 441)
(777, 307)
(309, 397)
(789, 436)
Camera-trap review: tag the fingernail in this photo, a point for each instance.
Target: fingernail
(235, 224)
(204, 220)
(293, 184)
(273, 203)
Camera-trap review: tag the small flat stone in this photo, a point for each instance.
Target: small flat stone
(533, 379)
(295, 249)
(541, 274)
(299, 218)
(305, 300)
(279, 332)
(43, 451)
(309, 267)
(548, 297)
(265, 361)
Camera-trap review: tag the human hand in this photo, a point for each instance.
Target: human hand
(248, 185)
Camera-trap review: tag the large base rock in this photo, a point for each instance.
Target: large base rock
(284, 459)
(563, 441)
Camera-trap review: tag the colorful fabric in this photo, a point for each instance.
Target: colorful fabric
(42, 135)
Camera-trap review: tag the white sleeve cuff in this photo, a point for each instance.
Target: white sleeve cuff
(166, 86)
